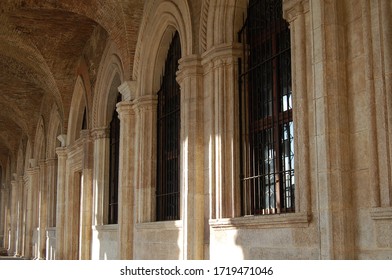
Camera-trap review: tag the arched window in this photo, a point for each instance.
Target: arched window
(267, 146)
(168, 146)
(113, 166)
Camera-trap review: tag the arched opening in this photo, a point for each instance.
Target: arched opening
(168, 140)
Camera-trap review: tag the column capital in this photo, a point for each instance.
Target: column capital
(61, 152)
(293, 8)
(32, 171)
(125, 108)
(100, 132)
(189, 66)
(128, 90)
(146, 101)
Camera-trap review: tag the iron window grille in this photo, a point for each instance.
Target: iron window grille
(168, 146)
(266, 123)
(114, 166)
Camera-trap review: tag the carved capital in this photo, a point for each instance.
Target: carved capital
(293, 8)
(128, 90)
(100, 133)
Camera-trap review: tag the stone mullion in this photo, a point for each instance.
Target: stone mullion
(60, 212)
(100, 174)
(190, 79)
(295, 13)
(145, 157)
(126, 204)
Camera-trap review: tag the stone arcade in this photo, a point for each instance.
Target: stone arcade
(207, 129)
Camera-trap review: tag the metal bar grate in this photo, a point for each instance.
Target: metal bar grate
(168, 171)
(267, 146)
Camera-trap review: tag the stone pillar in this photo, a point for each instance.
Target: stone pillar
(14, 215)
(61, 185)
(86, 198)
(20, 225)
(7, 216)
(2, 215)
(42, 210)
(332, 162)
(126, 190)
(101, 166)
(145, 157)
(296, 13)
(32, 180)
(51, 175)
(190, 78)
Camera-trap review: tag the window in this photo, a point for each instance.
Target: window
(168, 165)
(266, 124)
(113, 168)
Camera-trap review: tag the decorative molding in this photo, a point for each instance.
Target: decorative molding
(292, 220)
(106, 228)
(100, 133)
(128, 90)
(293, 8)
(381, 213)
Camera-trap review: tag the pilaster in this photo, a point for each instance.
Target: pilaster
(332, 162)
(296, 12)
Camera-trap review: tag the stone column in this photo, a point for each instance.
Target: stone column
(42, 210)
(101, 165)
(61, 185)
(145, 157)
(190, 78)
(332, 146)
(20, 225)
(32, 180)
(126, 202)
(7, 216)
(2, 215)
(51, 175)
(86, 198)
(14, 215)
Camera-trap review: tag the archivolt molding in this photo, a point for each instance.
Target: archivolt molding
(39, 142)
(165, 17)
(110, 67)
(54, 127)
(220, 22)
(76, 111)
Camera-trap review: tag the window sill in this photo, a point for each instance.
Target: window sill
(381, 213)
(111, 227)
(177, 224)
(291, 220)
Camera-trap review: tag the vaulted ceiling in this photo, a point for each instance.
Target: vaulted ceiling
(42, 43)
